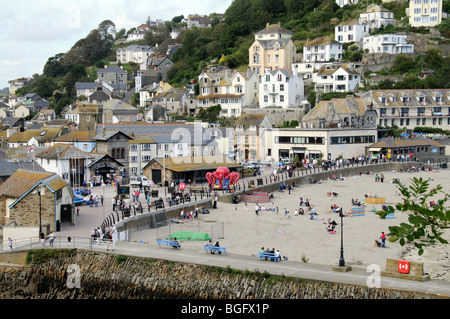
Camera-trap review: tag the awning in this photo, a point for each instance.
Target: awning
(374, 149)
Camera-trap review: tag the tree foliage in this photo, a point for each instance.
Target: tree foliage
(426, 222)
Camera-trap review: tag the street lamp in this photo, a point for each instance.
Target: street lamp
(341, 259)
(41, 191)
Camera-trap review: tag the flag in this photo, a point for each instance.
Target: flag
(31, 149)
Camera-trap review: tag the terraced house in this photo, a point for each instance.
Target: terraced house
(411, 108)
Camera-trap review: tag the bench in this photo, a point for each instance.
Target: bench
(108, 243)
(215, 248)
(271, 256)
(171, 243)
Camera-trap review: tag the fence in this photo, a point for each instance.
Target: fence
(58, 242)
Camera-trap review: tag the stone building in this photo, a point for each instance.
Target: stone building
(30, 200)
(116, 144)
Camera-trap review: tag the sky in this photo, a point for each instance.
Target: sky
(31, 31)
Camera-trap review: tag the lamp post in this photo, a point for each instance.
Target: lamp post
(40, 193)
(341, 259)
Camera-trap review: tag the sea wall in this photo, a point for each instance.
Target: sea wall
(71, 274)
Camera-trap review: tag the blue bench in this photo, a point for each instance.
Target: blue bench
(271, 256)
(215, 248)
(171, 243)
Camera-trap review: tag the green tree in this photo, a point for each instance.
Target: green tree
(426, 222)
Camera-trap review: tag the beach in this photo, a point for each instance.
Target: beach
(300, 238)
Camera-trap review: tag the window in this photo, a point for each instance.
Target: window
(281, 98)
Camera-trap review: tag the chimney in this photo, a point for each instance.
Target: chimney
(267, 24)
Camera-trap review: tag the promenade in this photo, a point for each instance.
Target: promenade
(191, 252)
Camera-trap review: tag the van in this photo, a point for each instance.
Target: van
(135, 181)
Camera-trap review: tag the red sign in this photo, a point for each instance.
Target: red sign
(403, 267)
(182, 186)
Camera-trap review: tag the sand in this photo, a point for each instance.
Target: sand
(305, 240)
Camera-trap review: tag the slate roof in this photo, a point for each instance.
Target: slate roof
(274, 28)
(195, 163)
(395, 142)
(321, 41)
(24, 181)
(76, 136)
(250, 120)
(111, 69)
(59, 151)
(161, 133)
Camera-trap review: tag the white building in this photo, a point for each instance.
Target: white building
(424, 13)
(387, 43)
(350, 31)
(231, 89)
(336, 78)
(322, 49)
(138, 34)
(342, 3)
(282, 88)
(134, 53)
(376, 16)
(411, 108)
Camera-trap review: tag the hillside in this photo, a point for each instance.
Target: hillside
(227, 42)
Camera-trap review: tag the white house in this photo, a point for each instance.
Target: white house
(67, 161)
(376, 16)
(281, 87)
(134, 53)
(342, 3)
(425, 13)
(350, 31)
(322, 49)
(336, 78)
(138, 34)
(231, 89)
(387, 43)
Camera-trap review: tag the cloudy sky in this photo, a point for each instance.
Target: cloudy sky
(31, 31)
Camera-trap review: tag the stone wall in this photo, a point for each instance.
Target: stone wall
(107, 276)
(147, 220)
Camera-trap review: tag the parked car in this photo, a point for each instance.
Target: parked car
(83, 192)
(136, 180)
(266, 162)
(78, 200)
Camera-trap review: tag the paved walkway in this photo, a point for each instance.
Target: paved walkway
(93, 217)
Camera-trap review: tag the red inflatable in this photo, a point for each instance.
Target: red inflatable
(222, 178)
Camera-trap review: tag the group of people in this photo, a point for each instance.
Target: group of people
(273, 251)
(332, 194)
(331, 225)
(379, 178)
(216, 245)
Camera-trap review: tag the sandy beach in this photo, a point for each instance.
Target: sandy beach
(305, 240)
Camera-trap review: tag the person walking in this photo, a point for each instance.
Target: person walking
(383, 239)
(42, 237)
(10, 240)
(52, 239)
